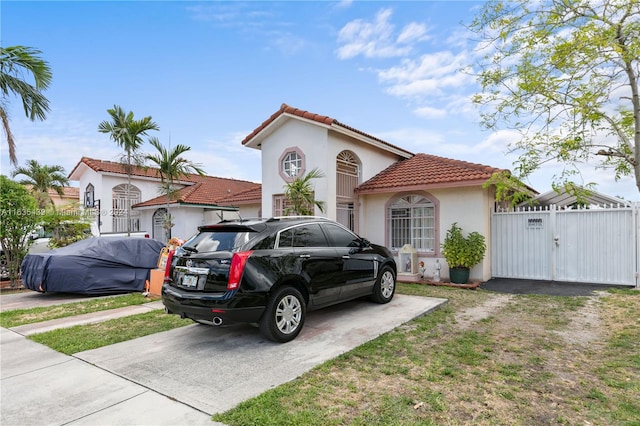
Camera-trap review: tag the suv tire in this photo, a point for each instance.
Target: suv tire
(284, 316)
(385, 286)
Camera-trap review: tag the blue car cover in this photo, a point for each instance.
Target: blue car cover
(95, 266)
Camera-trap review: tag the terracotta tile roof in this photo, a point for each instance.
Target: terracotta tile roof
(250, 196)
(114, 167)
(205, 190)
(323, 119)
(426, 170)
(68, 192)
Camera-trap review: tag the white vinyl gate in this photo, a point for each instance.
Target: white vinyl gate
(591, 245)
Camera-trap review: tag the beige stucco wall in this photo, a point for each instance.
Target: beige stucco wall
(468, 206)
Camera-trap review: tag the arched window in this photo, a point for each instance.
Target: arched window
(347, 179)
(412, 220)
(159, 231)
(120, 205)
(89, 196)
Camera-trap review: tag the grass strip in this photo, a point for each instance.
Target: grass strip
(18, 317)
(84, 337)
(526, 360)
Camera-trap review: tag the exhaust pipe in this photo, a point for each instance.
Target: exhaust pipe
(217, 321)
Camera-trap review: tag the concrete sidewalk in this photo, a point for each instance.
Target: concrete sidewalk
(30, 299)
(41, 386)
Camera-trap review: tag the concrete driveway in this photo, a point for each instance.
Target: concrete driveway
(214, 369)
(175, 377)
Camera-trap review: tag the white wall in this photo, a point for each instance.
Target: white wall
(320, 148)
(186, 220)
(249, 210)
(103, 187)
(245, 211)
(311, 140)
(148, 189)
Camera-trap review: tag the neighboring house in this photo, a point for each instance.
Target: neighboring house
(103, 185)
(385, 193)
(69, 196)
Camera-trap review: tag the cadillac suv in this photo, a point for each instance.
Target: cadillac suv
(272, 271)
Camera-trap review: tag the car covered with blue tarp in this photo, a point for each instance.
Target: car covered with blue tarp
(95, 266)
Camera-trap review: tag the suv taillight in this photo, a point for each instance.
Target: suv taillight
(167, 268)
(237, 267)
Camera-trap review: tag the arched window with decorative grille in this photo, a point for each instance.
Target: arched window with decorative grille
(411, 220)
(119, 206)
(347, 179)
(89, 196)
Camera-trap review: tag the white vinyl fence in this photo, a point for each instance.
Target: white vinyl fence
(598, 244)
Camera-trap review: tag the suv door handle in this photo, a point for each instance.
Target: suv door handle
(305, 256)
(346, 256)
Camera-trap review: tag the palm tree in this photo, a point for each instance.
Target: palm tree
(42, 178)
(15, 63)
(300, 194)
(128, 133)
(171, 167)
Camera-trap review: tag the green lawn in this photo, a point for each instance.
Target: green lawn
(526, 360)
(18, 317)
(91, 336)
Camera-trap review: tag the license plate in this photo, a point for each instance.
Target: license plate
(190, 281)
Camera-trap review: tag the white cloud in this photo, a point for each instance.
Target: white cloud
(414, 139)
(375, 39)
(413, 32)
(344, 4)
(229, 158)
(430, 112)
(288, 44)
(438, 65)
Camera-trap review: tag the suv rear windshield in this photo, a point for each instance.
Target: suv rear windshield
(208, 241)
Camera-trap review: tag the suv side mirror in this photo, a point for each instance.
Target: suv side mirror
(364, 243)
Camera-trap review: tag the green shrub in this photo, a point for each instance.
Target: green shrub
(461, 252)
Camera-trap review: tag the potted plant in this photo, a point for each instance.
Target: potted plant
(462, 253)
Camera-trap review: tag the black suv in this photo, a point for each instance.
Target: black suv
(271, 271)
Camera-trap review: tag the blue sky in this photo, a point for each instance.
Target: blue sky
(210, 72)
